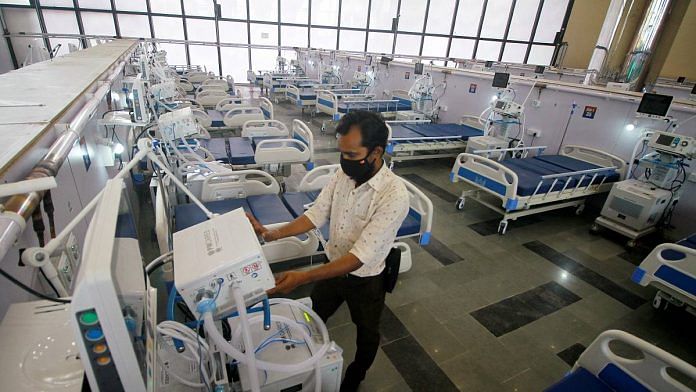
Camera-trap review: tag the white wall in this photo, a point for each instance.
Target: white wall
(606, 131)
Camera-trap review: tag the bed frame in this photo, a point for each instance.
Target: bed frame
(197, 77)
(296, 147)
(293, 93)
(237, 114)
(328, 102)
(491, 178)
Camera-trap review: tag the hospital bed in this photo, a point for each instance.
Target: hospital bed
(337, 105)
(524, 185)
(265, 142)
(259, 193)
(671, 268)
(412, 140)
(197, 76)
(276, 86)
(619, 361)
(233, 112)
(304, 95)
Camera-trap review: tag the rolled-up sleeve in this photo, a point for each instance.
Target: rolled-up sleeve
(320, 212)
(377, 238)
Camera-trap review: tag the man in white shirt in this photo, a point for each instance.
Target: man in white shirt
(365, 204)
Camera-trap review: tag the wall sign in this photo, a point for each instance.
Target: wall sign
(589, 112)
(472, 88)
(407, 75)
(85, 153)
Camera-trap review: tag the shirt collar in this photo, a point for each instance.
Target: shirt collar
(378, 180)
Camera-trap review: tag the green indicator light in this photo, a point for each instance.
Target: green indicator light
(306, 316)
(89, 318)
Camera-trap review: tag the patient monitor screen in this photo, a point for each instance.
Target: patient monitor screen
(655, 104)
(665, 140)
(500, 79)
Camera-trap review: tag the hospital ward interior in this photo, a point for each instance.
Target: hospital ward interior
(347, 195)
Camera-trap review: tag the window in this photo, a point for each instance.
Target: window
(233, 9)
(352, 40)
(263, 59)
(540, 55)
(199, 7)
(514, 53)
(435, 46)
(263, 10)
(57, 3)
(411, 16)
(293, 36)
(96, 4)
(488, 50)
(462, 48)
(205, 56)
(264, 34)
(201, 30)
(325, 13)
(440, 16)
(131, 5)
(495, 21)
(235, 62)
(165, 7)
(134, 26)
(468, 17)
(61, 22)
(380, 42)
(408, 44)
(354, 14)
(294, 11)
(98, 23)
(176, 53)
(168, 27)
(233, 32)
(24, 20)
(550, 20)
(382, 13)
(323, 38)
(523, 20)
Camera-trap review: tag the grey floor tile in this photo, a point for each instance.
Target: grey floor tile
(416, 367)
(410, 290)
(528, 380)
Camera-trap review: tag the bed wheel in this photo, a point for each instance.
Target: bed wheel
(631, 243)
(502, 227)
(460, 203)
(594, 229)
(659, 303)
(580, 209)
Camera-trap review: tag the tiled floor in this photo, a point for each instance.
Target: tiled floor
(483, 312)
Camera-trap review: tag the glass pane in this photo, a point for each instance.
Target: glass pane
(234, 9)
(381, 15)
(263, 59)
(131, 5)
(263, 10)
(57, 3)
(550, 20)
(201, 30)
(205, 56)
(435, 46)
(96, 4)
(263, 34)
(468, 17)
(488, 50)
(293, 36)
(323, 38)
(233, 32)
(98, 23)
(380, 42)
(412, 14)
(134, 26)
(352, 40)
(462, 48)
(495, 22)
(523, 20)
(407, 44)
(168, 27)
(440, 16)
(289, 55)
(325, 13)
(165, 7)
(294, 11)
(540, 55)
(24, 20)
(64, 45)
(354, 13)
(235, 62)
(61, 22)
(199, 7)
(176, 53)
(514, 53)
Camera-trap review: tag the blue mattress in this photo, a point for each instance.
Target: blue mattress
(125, 226)
(217, 147)
(580, 380)
(530, 170)
(241, 151)
(379, 107)
(438, 130)
(401, 131)
(217, 118)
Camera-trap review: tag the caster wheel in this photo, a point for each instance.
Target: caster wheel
(658, 303)
(502, 227)
(580, 209)
(460, 204)
(594, 229)
(631, 244)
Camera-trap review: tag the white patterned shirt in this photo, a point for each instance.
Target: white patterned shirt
(363, 220)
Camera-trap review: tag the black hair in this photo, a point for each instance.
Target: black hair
(373, 129)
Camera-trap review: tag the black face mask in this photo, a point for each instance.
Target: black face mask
(359, 170)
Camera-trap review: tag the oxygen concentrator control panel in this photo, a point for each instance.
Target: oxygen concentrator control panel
(507, 108)
(177, 124)
(674, 144)
(217, 254)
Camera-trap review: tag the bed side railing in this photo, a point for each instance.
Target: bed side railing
(255, 128)
(267, 108)
(238, 184)
(420, 203)
(596, 157)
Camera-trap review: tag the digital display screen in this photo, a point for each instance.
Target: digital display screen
(489, 64)
(655, 104)
(665, 140)
(500, 79)
(539, 69)
(681, 79)
(500, 104)
(385, 60)
(693, 89)
(418, 69)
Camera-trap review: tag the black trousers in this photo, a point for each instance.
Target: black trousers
(365, 299)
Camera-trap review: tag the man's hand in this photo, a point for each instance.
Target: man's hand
(258, 227)
(288, 281)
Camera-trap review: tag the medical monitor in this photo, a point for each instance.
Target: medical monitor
(488, 64)
(108, 304)
(654, 105)
(681, 79)
(693, 89)
(385, 60)
(539, 69)
(501, 79)
(418, 70)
